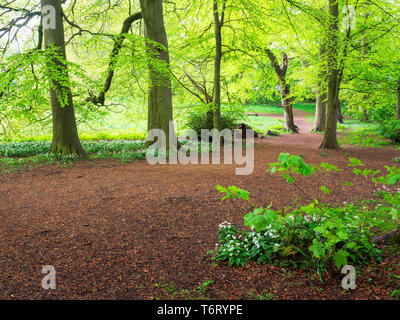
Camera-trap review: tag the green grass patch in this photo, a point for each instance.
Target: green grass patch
(262, 124)
(263, 108)
(361, 135)
(275, 109)
(306, 107)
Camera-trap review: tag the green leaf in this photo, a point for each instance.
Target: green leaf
(317, 249)
(340, 258)
(325, 190)
(355, 162)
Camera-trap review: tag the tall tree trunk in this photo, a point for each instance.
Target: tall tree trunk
(160, 94)
(284, 90)
(339, 83)
(320, 110)
(65, 134)
(287, 108)
(340, 118)
(364, 53)
(218, 22)
(330, 141)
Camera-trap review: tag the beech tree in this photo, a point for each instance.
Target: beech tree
(65, 133)
(320, 92)
(330, 141)
(160, 94)
(219, 19)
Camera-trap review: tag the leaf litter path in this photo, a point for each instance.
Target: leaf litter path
(128, 231)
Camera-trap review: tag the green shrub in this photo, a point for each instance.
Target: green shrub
(196, 118)
(318, 234)
(390, 130)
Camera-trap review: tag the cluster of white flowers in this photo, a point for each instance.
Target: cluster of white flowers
(225, 224)
(233, 246)
(270, 232)
(256, 237)
(310, 218)
(385, 188)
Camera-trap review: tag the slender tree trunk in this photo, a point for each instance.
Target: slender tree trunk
(339, 83)
(339, 109)
(65, 134)
(320, 110)
(330, 141)
(364, 53)
(284, 90)
(218, 22)
(287, 108)
(100, 98)
(160, 94)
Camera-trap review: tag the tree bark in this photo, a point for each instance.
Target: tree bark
(284, 90)
(65, 134)
(339, 83)
(364, 53)
(218, 24)
(160, 94)
(339, 110)
(330, 141)
(320, 110)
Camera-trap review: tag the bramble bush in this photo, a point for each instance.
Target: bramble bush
(318, 234)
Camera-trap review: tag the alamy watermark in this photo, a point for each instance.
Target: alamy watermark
(188, 153)
(49, 17)
(349, 21)
(349, 281)
(49, 281)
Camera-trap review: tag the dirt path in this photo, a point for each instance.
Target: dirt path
(305, 137)
(122, 231)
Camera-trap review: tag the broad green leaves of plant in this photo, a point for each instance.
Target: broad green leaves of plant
(233, 192)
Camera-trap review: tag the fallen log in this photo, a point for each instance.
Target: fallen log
(392, 236)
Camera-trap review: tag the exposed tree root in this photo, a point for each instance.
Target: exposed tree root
(66, 150)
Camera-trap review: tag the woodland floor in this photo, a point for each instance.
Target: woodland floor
(136, 231)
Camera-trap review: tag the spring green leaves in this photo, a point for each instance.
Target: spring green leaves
(233, 192)
(391, 178)
(260, 218)
(288, 164)
(317, 234)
